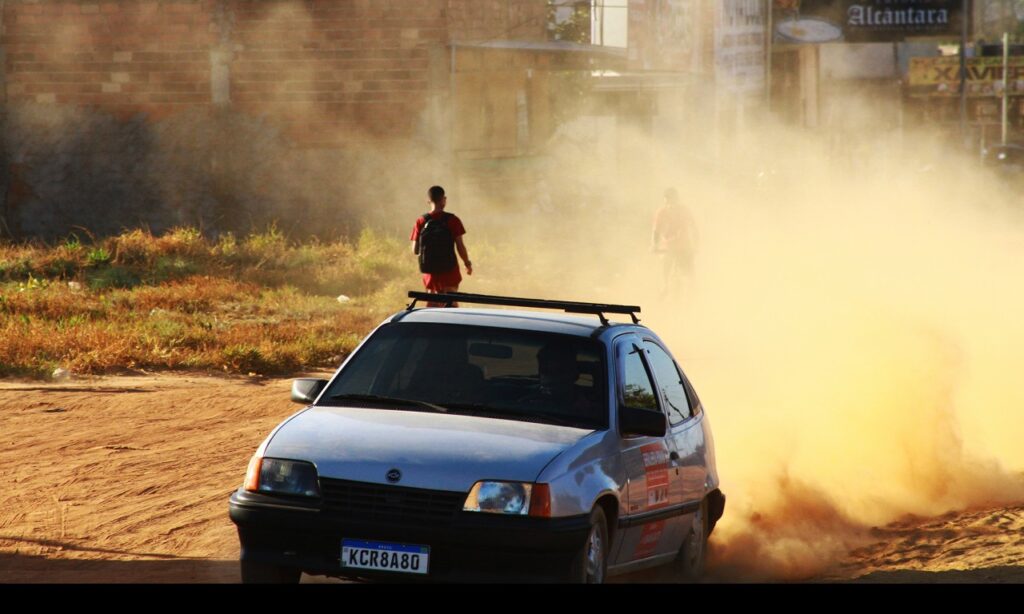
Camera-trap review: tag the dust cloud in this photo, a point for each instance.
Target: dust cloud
(851, 323)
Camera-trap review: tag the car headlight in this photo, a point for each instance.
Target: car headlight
(499, 498)
(509, 498)
(282, 477)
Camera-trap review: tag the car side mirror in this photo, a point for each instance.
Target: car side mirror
(305, 390)
(649, 422)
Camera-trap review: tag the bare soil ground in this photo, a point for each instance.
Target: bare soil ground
(972, 546)
(126, 479)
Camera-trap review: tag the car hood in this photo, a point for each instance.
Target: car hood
(431, 450)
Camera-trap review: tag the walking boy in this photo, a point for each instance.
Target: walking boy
(435, 238)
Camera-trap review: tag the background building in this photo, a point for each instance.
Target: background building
(228, 114)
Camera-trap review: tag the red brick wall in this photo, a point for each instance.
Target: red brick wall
(336, 70)
(478, 20)
(126, 56)
(368, 81)
(327, 71)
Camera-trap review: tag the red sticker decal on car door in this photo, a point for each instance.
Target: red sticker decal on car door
(656, 471)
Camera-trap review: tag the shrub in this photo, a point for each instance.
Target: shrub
(98, 257)
(113, 277)
(181, 301)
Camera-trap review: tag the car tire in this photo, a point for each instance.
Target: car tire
(591, 563)
(262, 573)
(689, 563)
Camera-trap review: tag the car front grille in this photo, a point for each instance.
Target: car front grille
(365, 502)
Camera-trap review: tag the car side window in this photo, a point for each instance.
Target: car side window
(692, 394)
(670, 383)
(637, 389)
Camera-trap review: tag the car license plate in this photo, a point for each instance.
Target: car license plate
(384, 556)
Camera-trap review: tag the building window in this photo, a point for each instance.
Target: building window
(570, 20)
(589, 22)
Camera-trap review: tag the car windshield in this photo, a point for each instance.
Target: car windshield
(495, 372)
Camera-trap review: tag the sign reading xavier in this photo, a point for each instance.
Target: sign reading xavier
(864, 21)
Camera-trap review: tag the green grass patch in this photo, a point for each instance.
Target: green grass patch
(253, 304)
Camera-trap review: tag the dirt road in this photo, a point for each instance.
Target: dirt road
(126, 479)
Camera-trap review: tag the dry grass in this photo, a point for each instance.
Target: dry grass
(255, 304)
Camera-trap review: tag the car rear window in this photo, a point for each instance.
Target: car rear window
(506, 373)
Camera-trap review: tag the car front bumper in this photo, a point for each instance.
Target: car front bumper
(473, 546)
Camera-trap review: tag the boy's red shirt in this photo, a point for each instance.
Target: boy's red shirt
(447, 279)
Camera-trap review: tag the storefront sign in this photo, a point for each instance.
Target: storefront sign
(822, 21)
(740, 27)
(940, 76)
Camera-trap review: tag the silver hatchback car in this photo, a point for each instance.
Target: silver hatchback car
(488, 444)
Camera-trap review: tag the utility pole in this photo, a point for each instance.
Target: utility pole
(227, 212)
(769, 40)
(3, 64)
(1006, 84)
(965, 16)
(5, 179)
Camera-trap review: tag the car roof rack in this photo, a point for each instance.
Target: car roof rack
(598, 309)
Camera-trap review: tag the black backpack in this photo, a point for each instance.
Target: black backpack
(437, 245)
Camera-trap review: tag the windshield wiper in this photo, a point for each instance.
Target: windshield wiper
(487, 411)
(559, 420)
(374, 398)
(476, 407)
(534, 416)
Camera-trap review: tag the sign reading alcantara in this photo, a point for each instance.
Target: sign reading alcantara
(821, 21)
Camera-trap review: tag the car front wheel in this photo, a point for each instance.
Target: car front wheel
(591, 563)
(261, 573)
